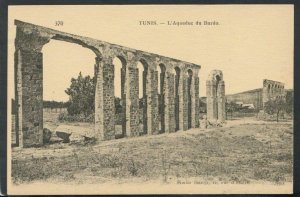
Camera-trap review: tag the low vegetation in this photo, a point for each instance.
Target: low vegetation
(245, 153)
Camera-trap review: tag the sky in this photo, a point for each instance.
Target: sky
(251, 42)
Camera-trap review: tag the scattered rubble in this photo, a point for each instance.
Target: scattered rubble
(46, 135)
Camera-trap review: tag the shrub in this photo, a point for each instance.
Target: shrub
(64, 116)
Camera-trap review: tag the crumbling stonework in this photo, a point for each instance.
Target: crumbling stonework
(271, 90)
(215, 92)
(176, 89)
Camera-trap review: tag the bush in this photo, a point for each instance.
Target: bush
(64, 116)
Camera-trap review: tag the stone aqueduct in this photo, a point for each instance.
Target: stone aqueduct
(179, 87)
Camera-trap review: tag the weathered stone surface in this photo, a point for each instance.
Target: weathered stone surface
(132, 102)
(104, 100)
(63, 135)
(169, 103)
(46, 135)
(29, 92)
(152, 102)
(196, 110)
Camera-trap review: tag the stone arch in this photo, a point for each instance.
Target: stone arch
(28, 55)
(77, 41)
(55, 60)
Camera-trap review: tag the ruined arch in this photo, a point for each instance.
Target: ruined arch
(215, 92)
(29, 43)
(30, 40)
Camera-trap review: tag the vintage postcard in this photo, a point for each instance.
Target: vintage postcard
(150, 99)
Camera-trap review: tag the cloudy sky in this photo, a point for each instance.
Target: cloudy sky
(251, 43)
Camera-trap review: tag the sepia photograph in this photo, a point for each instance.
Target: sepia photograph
(150, 99)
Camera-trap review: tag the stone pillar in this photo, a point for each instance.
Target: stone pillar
(180, 101)
(146, 86)
(177, 78)
(29, 85)
(211, 100)
(104, 100)
(265, 93)
(152, 102)
(221, 102)
(169, 102)
(162, 101)
(215, 93)
(190, 100)
(193, 102)
(29, 97)
(183, 109)
(123, 99)
(132, 100)
(197, 107)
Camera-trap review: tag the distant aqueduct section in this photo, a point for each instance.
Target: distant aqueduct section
(179, 87)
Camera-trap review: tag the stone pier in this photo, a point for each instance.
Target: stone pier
(215, 93)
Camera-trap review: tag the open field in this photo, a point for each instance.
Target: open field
(244, 151)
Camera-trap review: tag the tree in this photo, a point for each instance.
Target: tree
(81, 95)
(55, 104)
(275, 106)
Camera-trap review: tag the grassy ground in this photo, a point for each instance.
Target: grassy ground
(241, 152)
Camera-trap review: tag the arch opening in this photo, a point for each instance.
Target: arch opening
(161, 97)
(119, 64)
(177, 102)
(143, 74)
(53, 97)
(218, 79)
